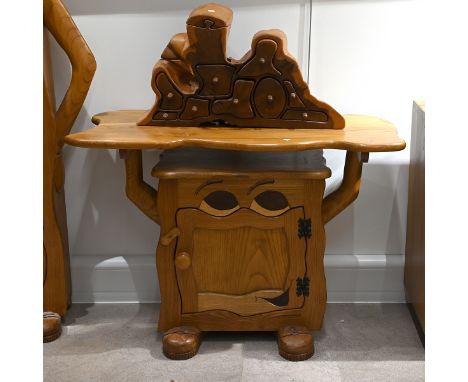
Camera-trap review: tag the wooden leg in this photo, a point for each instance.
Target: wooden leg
(181, 342)
(52, 326)
(138, 191)
(295, 343)
(348, 191)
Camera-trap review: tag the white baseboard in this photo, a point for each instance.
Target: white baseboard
(132, 278)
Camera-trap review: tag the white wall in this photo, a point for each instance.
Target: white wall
(362, 61)
(366, 59)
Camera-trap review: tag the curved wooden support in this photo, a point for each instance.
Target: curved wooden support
(138, 191)
(61, 25)
(348, 191)
(57, 124)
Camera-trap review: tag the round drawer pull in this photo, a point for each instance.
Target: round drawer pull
(182, 260)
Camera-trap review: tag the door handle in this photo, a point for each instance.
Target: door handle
(171, 235)
(183, 260)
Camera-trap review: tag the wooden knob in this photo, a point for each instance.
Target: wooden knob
(182, 260)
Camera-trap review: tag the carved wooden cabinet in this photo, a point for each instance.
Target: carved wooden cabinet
(242, 239)
(240, 203)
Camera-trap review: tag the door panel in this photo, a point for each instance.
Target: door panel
(245, 263)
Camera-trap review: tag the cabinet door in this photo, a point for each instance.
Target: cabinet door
(245, 263)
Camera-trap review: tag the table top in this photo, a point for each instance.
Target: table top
(118, 130)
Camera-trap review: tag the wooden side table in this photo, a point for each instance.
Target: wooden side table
(242, 220)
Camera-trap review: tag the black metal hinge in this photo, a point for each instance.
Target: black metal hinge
(302, 286)
(304, 228)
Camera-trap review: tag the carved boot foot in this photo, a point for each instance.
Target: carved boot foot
(295, 343)
(181, 342)
(52, 326)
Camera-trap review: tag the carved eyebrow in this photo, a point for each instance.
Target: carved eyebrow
(260, 183)
(207, 183)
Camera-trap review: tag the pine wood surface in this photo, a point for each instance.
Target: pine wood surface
(118, 130)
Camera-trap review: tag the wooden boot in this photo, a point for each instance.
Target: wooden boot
(52, 326)
(295, 343)
(181, 342)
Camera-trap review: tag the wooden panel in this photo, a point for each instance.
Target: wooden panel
(171, 99)
(195, 108)
(192, 195)
(313, 310)
(294, 100)
(239, 261)
(237, 256)
(215, 79)
(269, 98)
(222, 320)
(118, 130)
(239, 104)
(249, 304)
(170, 312)
(415, 231)
(261, 63)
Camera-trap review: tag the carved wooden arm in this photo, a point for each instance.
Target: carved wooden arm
(348, 191)
(59, 22)
(138, 191)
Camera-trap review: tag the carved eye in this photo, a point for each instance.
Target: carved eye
(270, 203)
(219, 203)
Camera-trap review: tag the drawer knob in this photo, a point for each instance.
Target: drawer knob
(182, 260)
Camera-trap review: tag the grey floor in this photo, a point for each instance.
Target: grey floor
(119, 342)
